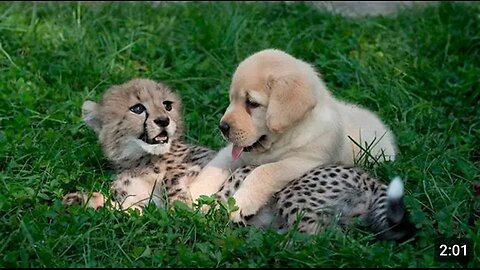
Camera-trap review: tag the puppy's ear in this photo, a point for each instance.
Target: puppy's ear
(290, 100)
(90, 115)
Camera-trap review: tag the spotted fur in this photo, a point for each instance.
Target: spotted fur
(146, 171)
(331, 195)
(162, 173)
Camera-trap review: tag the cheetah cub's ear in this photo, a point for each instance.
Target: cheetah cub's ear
(90, 115)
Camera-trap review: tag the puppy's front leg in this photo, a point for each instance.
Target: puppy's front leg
(264, 181)
(210, 179)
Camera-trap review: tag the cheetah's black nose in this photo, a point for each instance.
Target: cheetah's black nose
(162, 121)
(224, 127)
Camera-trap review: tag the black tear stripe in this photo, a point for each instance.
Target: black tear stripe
(145, 125)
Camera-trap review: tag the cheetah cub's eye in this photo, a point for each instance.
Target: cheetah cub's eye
(168, 105)
(138, 108)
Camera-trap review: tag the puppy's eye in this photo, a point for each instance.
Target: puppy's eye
(168, 105)
(252, 104)
(138, 108)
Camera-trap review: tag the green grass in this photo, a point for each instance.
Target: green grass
(418, 70)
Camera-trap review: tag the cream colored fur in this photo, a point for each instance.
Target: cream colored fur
(305, 127)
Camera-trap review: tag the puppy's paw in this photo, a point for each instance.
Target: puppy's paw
(205, 208)
(236, 217)
(246, 210)
(239, 218)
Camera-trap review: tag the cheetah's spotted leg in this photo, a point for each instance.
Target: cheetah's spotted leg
(135, 192)
(128, 193)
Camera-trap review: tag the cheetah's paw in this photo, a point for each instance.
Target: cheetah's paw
(96, 200)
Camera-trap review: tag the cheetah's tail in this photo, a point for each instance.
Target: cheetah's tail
(393, 222)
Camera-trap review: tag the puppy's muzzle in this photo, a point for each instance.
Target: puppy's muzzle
(225, 128)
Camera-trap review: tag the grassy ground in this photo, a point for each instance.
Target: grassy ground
(419, 71)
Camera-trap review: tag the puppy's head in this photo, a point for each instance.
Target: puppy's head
(136, 118)
(271, 92)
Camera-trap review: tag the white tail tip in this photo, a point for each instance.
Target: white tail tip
(395, 188)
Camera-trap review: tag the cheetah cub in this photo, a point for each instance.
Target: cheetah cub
(331, 195)
(139, 126)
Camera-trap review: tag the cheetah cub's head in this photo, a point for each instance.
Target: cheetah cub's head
(135, 118)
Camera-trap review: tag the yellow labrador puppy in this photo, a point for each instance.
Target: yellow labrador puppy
(282, 117)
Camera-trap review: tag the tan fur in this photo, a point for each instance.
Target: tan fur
(114, 115)
(146, 170)
(304, 126)
(289, 102)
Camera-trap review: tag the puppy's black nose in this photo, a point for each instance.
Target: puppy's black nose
(162, 121)
(224, 127)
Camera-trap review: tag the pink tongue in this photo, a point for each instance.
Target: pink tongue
(236, 152)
